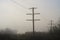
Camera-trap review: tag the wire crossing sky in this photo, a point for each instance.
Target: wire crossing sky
(13, 15)
(19, 4)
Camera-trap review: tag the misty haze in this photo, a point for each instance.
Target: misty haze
(29, 19)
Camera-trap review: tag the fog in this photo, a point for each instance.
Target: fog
(13, 15)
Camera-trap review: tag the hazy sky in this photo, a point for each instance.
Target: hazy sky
(13, 15)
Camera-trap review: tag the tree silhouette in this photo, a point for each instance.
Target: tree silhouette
(54, 32)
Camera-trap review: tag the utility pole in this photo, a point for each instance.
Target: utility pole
(33, 20)
(51, 24)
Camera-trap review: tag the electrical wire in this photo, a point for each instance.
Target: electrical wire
(20, 5)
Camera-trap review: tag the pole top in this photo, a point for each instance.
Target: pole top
(33, 8)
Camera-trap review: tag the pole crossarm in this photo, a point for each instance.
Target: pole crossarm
(32, 14)
(33, 8)
(34, 20)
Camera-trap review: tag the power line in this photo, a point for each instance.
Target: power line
(20, 5)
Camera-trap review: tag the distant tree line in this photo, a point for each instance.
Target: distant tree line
(53, 34)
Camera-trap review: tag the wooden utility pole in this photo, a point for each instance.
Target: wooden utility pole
(51, 24)
(33, 20)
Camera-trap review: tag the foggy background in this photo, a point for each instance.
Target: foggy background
(13, 15)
